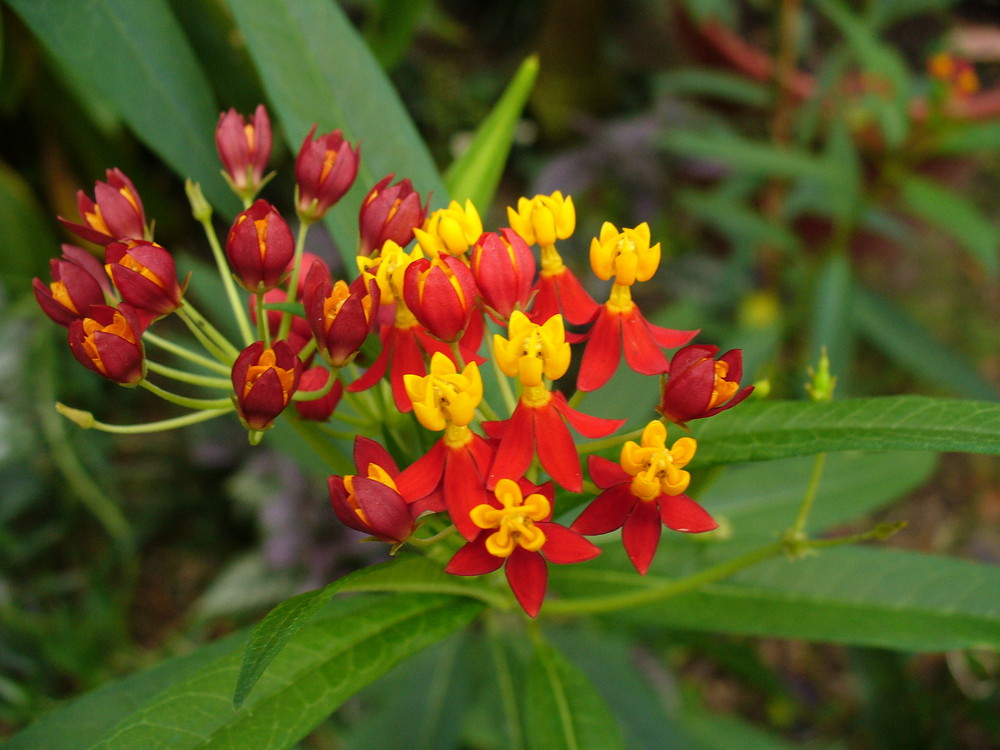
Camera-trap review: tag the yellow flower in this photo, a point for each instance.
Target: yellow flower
(543, 219)
(451, 230)
(654, 468)
(531, 350)
(514, 521)
(445, 396)
(626, 255)
(388, 268)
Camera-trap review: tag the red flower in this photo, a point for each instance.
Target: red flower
(642, 491)
(700, 386)
(339, 316)
(108, 341)
(504, 270)
(441, 295)
(451, 476)
(115, 214)
(259, 247)
(324, 170)
(318, 409)
(264, 381)
(244, 149)
(620, 322)
(517, 533)
(144, 275)
(538, 425)
(389, 213)
(78, 281)
(369, 501)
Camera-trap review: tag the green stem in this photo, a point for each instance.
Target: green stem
(86, 420)
(609, 442)
(293, 280)
(798, 528)
(509, 399)
(576, 399)
(213, 341)
(315, 395)
(263, 329)
(456, 352)
(184, 353)
(235, 303)
(183, 376)
(199, 404)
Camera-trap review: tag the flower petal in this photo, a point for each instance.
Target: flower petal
(464, 489)
(600, 358)
(606, 512)
(517, 446)
(556, 451)
(641, 535)
(564, 545)
(473, 559)
(587, 425)
(641, 351)
(605, 472)
(528, 577)
(422, 477)
(681, 513)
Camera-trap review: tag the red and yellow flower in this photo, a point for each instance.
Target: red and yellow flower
(340, 316)
(450, 231)
(108, 341)
(325, 169)
(244, 149)
(389, 212)
(442, 296)
(144, 275)
(78, 281)
(264, 381)
(700, 386)
(115, 213)
(516, 532)
(259, 247)
(642, 492)
(504, 269)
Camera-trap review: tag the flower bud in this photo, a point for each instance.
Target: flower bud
(78, 281)
(115, 213)
(244, 148)
(700, 386)
(144, 275)
(441, 295)
(318, 409)
(389, 213)
(324, 170)
(504, 269)
(340, 316)
(259, 247)
(264, 381)
(108, 341)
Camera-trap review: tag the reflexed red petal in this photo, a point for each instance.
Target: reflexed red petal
(578, 307)
(528, 577)
(545, 302)
(605, 472)
(556, 450)
(407, 359)
(473, 559)
(376, 371)
(563, 546)
(681, 513)
(423, 476)
(670, 338)
(641, 535)
(587, 425)
(641, 352)
(464, 489)
(600, 358)
(606, 512)
(517, 446)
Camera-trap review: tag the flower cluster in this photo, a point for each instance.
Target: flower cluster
(398, 350)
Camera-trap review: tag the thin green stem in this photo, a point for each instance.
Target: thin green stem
(798, 528)
(86, 420)
(428, 541)
(263, 329)
(213, 341)
(509, 399)
(235, 303)
(609, 442)
(185, 353)
(293, 280)
(208, 381)
(316, 395)
(199, 404)
(456, 352)
(577, 398)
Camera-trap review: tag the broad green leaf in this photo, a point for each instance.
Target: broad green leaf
(858, 595)
(28, 239)
(717, 732)
(316, 69)
(82, 723)
(476, 173)
(389, 27)
(753, 157)
(276, 630)
(966, 137)
(950, 212)
(765, 430)
(135, 55)
(831, 330)
(713, 84)
(351, 644)
(562, 710)
(912, 346)
(761, 499)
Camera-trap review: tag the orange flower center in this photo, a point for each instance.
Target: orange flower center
(333, 303)
(61, 295)
(374, 471)
(329, 159)
(723, 389)
(514, 522)
(268, 361)
(117, 327)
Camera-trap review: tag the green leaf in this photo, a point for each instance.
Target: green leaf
(316, 69)
(831, 328)
(136, 57)
(966, 137)
(476, 173)
(947, 210)
(912, 346)
(713, 84)
(354, 642)
(765, 430)
(857, 595)
(731, 216)
(760, 499)
(284, 621)
(748, 156)
(562, 710)
(28, 239)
